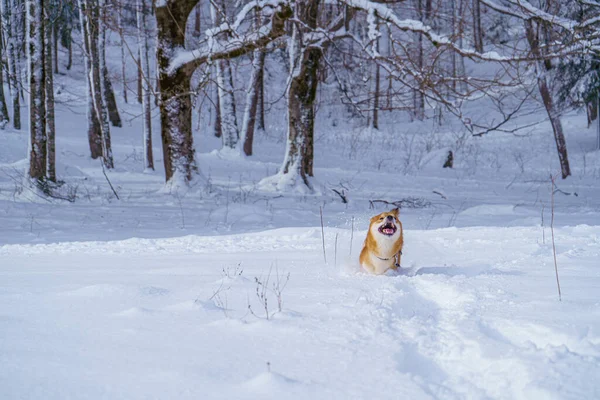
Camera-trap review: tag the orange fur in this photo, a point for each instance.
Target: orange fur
(379, 251)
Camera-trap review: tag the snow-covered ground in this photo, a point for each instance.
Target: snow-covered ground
(162, 295)
(474, 314)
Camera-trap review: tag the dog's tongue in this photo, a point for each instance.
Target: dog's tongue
(388, 231)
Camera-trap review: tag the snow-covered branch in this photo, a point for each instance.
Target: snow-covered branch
(216, 49)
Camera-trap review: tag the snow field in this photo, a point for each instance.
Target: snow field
(474, 314)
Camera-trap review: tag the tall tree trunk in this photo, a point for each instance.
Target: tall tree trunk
(103, 88)
(70, 51)
(251, 104)
(4, 119)
(49, 51)
(55, 45)
(109, 96)
(302, 93)
(94, 133)
(477, 32)
(122, 45)
(98, 126)
(260, 120)
(218, 130)
(176, 101)
(140, 79)
(375, 121)
(553, 115)
(10, 35)
(229, 126)
(142, 10)
(418, 98)
(35, 56)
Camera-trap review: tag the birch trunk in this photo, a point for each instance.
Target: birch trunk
(35, 70)
(4, 119)
(229, 127)
(122, 42)
(100, 100)
(49, 51)
(8, 33)
(142, 10)
(252, 93)
(94, 133)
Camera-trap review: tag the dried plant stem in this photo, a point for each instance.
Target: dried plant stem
(553, 178)
(108, 180)
(323, 235)
(351, 236)
(335, 251)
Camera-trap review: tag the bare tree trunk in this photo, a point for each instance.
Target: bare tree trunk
(542, 69)
(477, 32)
(101, 99)
(142, 10)
(252, 97)
(109, 96)
(122, 40)
(375, 123)
(94, 134)
(4, 119)
(35, 55)
(418, 98)
(98, 126)
(70, 51)
(175, 102)
(229, 126)
(301, 98)
(260, 123)
(55, 43)
(9, 29)
(251, 105)
(218, 129)
(140, 78)
(49, 51)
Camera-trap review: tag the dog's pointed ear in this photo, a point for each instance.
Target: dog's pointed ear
(396, 212)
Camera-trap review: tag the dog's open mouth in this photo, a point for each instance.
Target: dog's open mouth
(388, 229)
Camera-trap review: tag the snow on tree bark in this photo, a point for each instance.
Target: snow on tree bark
(101, 90)
(4, 119)
(95, 42)
(94, 133)
(298, 161)
(49, 92)
(35, 72)
(175, 68)
(229, 128)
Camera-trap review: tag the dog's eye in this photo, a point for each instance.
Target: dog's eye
(381, 218)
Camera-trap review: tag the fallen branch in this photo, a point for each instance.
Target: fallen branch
(408, 202)
(108, 180)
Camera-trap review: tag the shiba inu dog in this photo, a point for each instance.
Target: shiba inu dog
(383, 245)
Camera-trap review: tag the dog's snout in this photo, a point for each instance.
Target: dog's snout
(390, 218)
